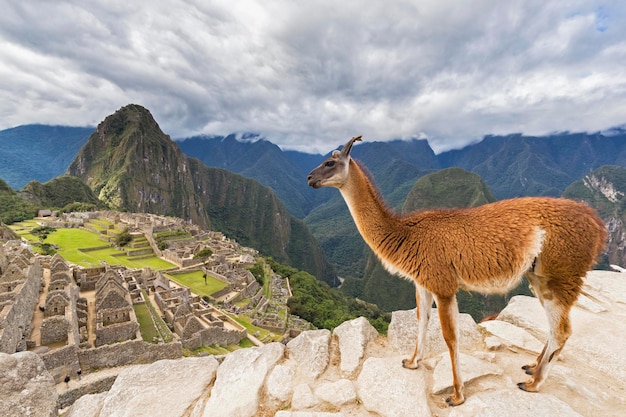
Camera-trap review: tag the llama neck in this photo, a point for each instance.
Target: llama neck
(371, 216)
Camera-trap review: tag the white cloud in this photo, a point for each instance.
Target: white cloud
(307, 75)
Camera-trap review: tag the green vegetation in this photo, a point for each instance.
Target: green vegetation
(203, 253)
(195, 281)
(123, 238)
(14, 207)
(159, 327)
(61, 192)
(218, 350)
(323, 306)
(87, 248)
(146, 325)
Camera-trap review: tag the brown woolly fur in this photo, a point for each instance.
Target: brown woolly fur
(489, 248)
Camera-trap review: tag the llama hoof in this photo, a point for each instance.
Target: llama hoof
(452, 401)
(408, 364)
(527, 386)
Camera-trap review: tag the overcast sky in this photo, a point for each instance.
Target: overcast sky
(308, 75)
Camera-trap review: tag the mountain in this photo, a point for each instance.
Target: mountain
(59, 192)
(605, 189)
(262, 160)
(132, 165)
(13, 207)
(517, 165)
(38, 152)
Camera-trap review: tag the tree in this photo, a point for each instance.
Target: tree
(42, 232)
(123, 238)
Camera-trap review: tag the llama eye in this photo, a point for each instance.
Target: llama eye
(330, 163)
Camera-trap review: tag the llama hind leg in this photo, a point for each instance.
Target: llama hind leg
(423, 304)
(536, 287)
(448, 310)
(560, 330)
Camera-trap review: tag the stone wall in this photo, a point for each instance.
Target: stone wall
(127, 353)
(54, 329)
(61, 362)
(15, 322)
(114, 333)
(214, 336)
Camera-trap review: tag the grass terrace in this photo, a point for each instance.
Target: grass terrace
(86, 248)
(195, 282)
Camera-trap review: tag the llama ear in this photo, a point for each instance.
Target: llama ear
(345, 151)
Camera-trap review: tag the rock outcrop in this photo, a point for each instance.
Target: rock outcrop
(354, 372)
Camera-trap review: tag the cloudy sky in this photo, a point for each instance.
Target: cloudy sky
(307, 75)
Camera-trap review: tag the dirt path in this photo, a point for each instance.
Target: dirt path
(38, 315)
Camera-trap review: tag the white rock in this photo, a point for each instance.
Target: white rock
(337, 393)
(239, 380)
(284, 413)
(512, 335)
(493, 343)
(87, 406)
(402, 333)
(280, 383)
(386, 388)
(527, 313)
(589, 304)
(471, 368)
(611, 285)
(147, 390)
(513, 403)
(310, 349)
(26, 387)
(353, 336)
(303, 397)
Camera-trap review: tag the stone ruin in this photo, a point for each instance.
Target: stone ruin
(195, 322)
(115, 318)
(20, 281)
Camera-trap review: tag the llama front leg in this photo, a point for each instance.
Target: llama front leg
(423, 304)
(448, 316)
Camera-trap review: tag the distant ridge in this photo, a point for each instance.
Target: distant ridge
(38, 152)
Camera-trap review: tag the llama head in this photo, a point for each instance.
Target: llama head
(333, 172)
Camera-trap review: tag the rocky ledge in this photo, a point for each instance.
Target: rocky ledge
(354, 372)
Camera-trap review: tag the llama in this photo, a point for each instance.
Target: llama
(552, 241)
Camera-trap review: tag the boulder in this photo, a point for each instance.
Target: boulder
(513, 403)
(386, 388)
(311, 351)
(147, 390)
(353, 336)
(402, 333)
(337, 393)
(87, 406)
(26, 387)
(303, 397)
(513, 336)
(527, 313)
(280, 383)
(239, 380)
(471, 368)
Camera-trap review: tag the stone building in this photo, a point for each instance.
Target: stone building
(115, 318)
(20, 281)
